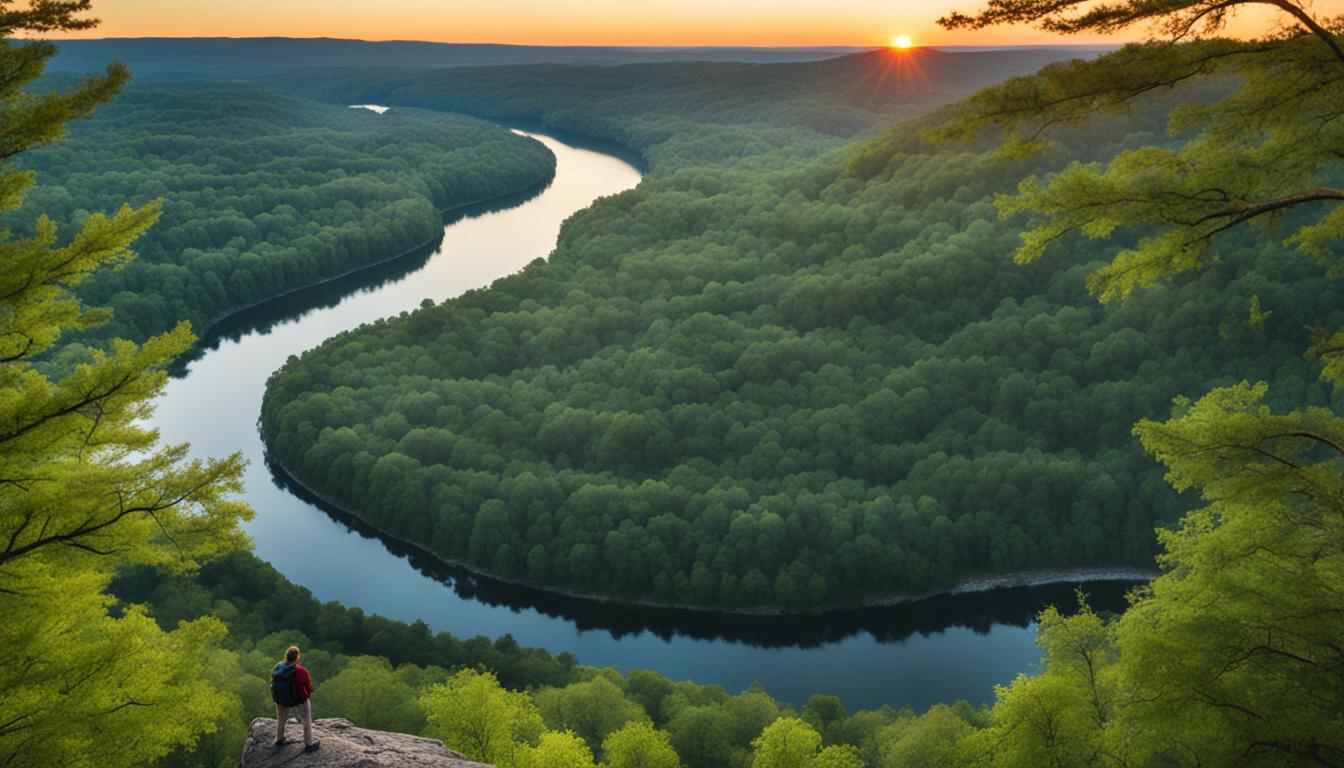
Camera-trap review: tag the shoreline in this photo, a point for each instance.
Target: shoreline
(967, 585)
(213, 323)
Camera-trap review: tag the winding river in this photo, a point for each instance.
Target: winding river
(919, 653)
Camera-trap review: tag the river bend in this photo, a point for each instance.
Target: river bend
(935, 650)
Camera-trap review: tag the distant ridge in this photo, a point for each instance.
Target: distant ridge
(224, 57)
(218, 58)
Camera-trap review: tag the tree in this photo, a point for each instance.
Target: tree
(837, 756)
(1059, 717)
(786, 743)
(639, 745)
(823, 713)
(84, 487)
(555, 749)
(1230, 656)
(1252, 155)
(932, 740)
(703, 736)
(368, 692)
(790, 742)
(474, 714)
(591, 709)
(1251, 590)
(649, 689)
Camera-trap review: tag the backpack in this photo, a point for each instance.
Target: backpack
(284, 685)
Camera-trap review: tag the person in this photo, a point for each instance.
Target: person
(298, 702)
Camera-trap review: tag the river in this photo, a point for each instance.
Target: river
(939, 649)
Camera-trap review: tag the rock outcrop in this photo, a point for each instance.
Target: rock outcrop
(345, 745)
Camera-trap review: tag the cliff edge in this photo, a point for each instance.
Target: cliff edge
(345, 745)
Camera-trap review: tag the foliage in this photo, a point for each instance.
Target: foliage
(712, 729)
(1250, 587)
(474, 714)
(591, 710)
(555, 749)
(368, 692)
(256, 602)
(1265, 147)
(760, 379)
(791, 743)
(84, 488)
(639, 745)
(934, 740)
(682, 114)
(263, 193)
(784, 385)
(86, 688)
(1224, 658)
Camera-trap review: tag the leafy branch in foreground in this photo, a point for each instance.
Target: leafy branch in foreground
(84, 488)
(1268, 146)
(1231, 656)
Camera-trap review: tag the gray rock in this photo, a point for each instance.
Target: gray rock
(345, 745)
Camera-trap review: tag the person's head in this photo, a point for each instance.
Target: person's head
(292, 654)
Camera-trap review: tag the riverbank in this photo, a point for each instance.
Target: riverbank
(918, 654)
(213, 323)
(968, 585)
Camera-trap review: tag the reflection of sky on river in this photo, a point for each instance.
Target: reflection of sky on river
(215, 408)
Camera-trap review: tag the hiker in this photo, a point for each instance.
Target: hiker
(291, 685)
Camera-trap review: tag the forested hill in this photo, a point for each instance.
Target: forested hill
(232, 58)
(766, 377)
(663, 110)
(263, 193)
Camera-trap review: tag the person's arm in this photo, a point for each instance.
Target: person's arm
(305, 682)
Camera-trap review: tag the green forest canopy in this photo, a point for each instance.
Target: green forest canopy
(773, 380)
(1214, 688)
(264, 193)
(384, 674)
(1231, 656)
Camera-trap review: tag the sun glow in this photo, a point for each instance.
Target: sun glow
(902, 42)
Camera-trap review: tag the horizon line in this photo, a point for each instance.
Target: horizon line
(813, 46)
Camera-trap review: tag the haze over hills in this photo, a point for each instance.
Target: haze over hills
(232, 58)
(186, 58)
(697, 385)
(840, 97)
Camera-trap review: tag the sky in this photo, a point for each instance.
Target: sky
(576, 22)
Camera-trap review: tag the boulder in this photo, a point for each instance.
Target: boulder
(345, 745)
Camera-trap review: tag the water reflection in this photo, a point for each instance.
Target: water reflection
(934, 650)
(263, 317)
(977, 611)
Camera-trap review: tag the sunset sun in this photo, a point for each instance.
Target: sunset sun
(902, 42)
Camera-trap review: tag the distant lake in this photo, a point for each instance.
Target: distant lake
(940, 649)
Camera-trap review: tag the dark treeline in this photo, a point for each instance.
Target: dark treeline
(687, 114)
(377, 672)
(257, 602)
(263, 193)
(980, 611)
(768, 381)
(232, 58)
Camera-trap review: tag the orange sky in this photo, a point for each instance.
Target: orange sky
(578, 22)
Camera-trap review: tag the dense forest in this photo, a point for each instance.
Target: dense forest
(263, 193)
(394, 676)
(223, 58)
(775, 381)
(707, 395)
(691, 113)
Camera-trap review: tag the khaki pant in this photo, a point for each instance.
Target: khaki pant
(302, 712)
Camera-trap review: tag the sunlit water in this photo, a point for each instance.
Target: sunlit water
(939, 650)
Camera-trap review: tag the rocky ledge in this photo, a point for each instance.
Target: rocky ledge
(345, 745)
